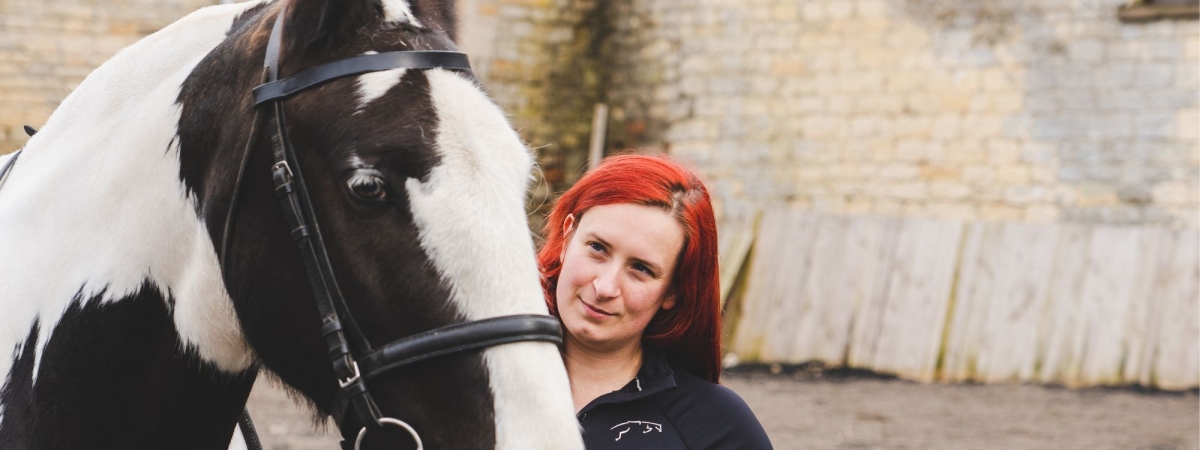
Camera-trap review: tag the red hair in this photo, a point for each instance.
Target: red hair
(690, 333)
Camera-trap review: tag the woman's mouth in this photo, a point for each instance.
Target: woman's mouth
(595, 313)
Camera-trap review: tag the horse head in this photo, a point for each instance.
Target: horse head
(414, 181)
(417, 183)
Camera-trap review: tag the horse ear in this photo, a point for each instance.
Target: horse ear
(322, 24)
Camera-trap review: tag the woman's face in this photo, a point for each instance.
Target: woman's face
(616, 273)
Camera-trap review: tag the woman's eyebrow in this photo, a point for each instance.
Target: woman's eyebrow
(653, 267)
(591, 235)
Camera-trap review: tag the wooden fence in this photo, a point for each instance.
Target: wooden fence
(992, 302)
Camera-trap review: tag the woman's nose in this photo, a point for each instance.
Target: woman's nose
(607, 283)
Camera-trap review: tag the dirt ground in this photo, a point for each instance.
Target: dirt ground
(846, 412)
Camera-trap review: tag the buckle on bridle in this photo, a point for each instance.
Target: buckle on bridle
(353, 378)
(282, 170)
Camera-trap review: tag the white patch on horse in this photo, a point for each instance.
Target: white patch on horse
(399, 11)
(373, 85)
(467, 212)
(95, 206)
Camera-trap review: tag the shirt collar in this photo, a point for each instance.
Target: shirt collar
(653, 377)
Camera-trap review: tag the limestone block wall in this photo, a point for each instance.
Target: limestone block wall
(1006, 110)
(1000, 190)
(48, 46)
(1009, 110)
(546, 63)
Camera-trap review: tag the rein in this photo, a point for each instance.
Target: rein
(346, 344)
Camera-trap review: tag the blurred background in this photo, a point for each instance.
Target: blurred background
(944, 224)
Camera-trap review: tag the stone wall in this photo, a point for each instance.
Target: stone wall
(48, 46)
(972, 115)
(546, 63)
(1012, 110)
(1006, 110)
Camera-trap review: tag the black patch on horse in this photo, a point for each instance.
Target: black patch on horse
(118, 374)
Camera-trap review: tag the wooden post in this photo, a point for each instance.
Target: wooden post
(599, 128)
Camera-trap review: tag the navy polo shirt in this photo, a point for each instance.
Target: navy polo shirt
(666, 410)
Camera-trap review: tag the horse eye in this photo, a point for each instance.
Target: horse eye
(368, 187)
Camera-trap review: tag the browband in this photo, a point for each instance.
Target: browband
(425, 59)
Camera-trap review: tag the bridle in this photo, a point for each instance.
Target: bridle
(8, 165)
(353, 358)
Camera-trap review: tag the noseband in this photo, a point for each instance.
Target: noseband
(353, 358)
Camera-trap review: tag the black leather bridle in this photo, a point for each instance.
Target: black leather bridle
(8, 165)
(353, 358)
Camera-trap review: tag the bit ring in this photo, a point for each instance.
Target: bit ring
(390, 421)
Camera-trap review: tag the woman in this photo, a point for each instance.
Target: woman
(630, 267)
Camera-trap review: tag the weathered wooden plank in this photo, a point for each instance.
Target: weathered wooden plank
(1152, 245)
(869, 240)
(767, 309)
(969, 305)
(825, 251)
(918, 294)
(1174, 362)
(869, 309)
(734, 239)
(1107, 293)
(792, 269)
(1156, 303)
(1062, 326)
(943, 242)
(826, 305)
(756, 303)
(838, 283)
(1004, 280)
(1017, 300)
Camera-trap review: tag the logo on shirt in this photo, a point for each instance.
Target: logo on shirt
(646, 427)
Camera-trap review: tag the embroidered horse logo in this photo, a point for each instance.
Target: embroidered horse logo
(650, 426)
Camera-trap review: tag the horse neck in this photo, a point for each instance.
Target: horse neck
(131, 389)
(94, 218)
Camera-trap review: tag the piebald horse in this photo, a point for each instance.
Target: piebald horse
(147, 271)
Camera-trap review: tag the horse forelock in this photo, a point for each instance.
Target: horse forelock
(96, 211)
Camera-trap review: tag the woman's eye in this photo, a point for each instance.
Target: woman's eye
(643, 269)
(370, 188)
(596, 246)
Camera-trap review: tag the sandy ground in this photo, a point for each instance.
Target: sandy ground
(866, 413)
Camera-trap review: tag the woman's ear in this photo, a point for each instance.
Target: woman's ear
(568, 227)
(669, 302)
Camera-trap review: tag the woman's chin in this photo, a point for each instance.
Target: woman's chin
(588, 334)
